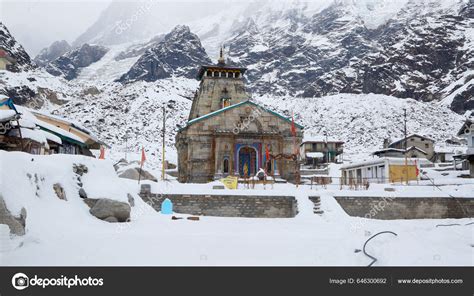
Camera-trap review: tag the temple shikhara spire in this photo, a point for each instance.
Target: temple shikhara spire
(221, 60)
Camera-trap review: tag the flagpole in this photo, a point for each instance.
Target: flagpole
(142, 160)
(140, 172)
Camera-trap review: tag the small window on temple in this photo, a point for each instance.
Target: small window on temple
(226, 166)
(225, 103)
(237, 75)
(208, 73)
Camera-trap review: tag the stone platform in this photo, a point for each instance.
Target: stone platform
(221, 205)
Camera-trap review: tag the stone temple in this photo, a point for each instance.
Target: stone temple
(228, 134)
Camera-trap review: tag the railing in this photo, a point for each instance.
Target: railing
(353, 183)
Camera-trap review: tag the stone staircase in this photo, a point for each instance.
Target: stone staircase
(317, 205)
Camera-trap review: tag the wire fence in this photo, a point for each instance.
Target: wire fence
(357, 183)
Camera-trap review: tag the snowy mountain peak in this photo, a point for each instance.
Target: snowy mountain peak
(14, 50)
(179, 53)
(70, 64)
(49, 54)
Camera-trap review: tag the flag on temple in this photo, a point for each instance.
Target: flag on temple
(102, 152)
(293, 128)
(143, 156)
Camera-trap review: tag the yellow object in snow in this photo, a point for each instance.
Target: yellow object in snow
(230, 182)
(399, 173)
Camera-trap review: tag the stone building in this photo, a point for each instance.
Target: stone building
(414, 145)
(227, 133)
(467, 132)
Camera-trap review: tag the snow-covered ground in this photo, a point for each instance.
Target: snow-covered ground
(64, 233)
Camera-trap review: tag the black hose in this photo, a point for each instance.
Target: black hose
(454, 224)
(370, 256)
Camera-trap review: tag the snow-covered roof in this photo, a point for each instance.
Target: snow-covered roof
(388, 150)
(417, 148)
(70, 122)
(450, 149)
(314, 154)
(51, 137)
(33, 134)
(383, 160)
(318, 139)
(410, 136)
(28, 117)
(6, 115)
(465, 128)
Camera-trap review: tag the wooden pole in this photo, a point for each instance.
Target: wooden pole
(140, 172)
(21, 136)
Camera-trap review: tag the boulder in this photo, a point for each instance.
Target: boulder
(104, 208)
(79, 169)
(59, 190)
(133, 174)
(131, 200)
(111, 219)
(90, 202)
(16, 224)
(82, 193)
(145, 189)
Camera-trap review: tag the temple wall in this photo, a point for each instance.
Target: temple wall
(211, 140)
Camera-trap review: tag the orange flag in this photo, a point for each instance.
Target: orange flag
(102, 152)
(143, 156)
(293, 128)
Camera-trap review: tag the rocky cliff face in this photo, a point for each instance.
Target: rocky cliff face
(179, 53)
(418, 52)
(15, 50)
(54, 51)
(69, 64)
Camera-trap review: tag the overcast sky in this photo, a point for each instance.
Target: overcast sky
(38, 23)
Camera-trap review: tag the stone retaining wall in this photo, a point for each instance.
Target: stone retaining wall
(407, 207)
(254, 206)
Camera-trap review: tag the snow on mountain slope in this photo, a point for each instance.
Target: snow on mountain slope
(37, 88)
(134, 111)
(364, 121)
(108, 68)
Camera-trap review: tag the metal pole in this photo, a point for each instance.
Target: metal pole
(163, 156)
(405, 142)
(126, 146)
